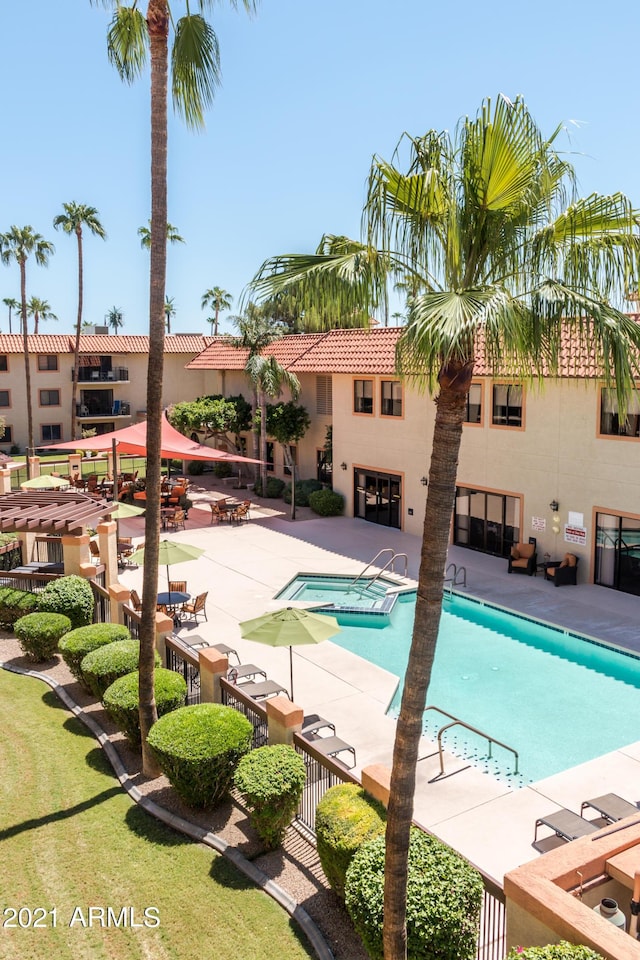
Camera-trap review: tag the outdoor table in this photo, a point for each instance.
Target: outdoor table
(172, 601)
(165, 514)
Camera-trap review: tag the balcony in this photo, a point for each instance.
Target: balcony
(89, 376)
(94, 411)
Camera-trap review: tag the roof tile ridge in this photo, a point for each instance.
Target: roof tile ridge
(310, 347)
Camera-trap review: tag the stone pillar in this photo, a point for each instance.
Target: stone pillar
(284, 718)
(5, 481)
(164, 626)
(213, 666)
(376, 780)
(27, 543)
(77, 559)
(108, 545)
(75, 464)
(34, 466)
(118, 596)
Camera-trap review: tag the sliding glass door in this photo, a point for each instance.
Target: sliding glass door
(486, 521)
(378, 497)
(618, 553)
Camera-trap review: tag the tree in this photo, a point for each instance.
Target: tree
(195, 73)
(216, 417)
(39, 310)
(114, 318)
(479, 229)
(18, 244)
(218, 299)
(145, 235)
(169, 311)
(75, 217)
(12, 304)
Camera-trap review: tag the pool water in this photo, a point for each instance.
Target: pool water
(340, 592)
(556, 698)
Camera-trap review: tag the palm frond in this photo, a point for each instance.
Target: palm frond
(127, 41)
(195, 68)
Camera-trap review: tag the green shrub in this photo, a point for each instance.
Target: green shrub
(346, 817)
(198, 748)
(271, 781)
(444, 895)
(326, 503)
(195, 468)
(76, 644)
(303, 489)
(72, 596)
(222, 469)
(121, 699)
(15, 604)
(275, 486)
(554, 951)
(39, 633)
(104, 665)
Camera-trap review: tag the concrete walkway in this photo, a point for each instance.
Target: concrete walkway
(245, 565)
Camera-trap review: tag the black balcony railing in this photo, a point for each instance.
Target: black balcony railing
(91, 375)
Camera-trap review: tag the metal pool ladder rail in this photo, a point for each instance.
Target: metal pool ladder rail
(452, 581)
(456, 721)
(389, 565)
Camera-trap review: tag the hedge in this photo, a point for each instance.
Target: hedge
(303, 489)
(72, 596)
(15, 604)
(271, 780)
(198, 748)
(274, 489)
(122, 703)
(346, 817)
(444, 896)
(38, 634)
(326, 503)
(76, 644)
(554, 951)
(104, 665)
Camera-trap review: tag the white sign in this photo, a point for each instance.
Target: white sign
(538, 523)
(575, 534)
(576, 519)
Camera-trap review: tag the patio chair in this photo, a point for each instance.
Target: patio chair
(565, 824)
(135, 601)
(611, 807)
(217, 515)
(564, 571)
(195, 608)
(176, 522)
(94, 550)
(178, 586)
(241, 512)
(522, 558)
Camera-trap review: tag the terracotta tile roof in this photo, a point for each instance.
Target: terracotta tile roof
(96, 344)
(48, 343)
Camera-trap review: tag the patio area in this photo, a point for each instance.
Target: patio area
(244, 565)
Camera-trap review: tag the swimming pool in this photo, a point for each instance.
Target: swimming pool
(339, 594)
(555, 697)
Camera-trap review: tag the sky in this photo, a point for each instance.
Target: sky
(310, 93)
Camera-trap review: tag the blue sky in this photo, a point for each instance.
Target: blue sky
(310, 92)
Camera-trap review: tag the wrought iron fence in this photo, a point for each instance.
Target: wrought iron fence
(180, 658)
(254, 711)
(102, 606)
(322, 773)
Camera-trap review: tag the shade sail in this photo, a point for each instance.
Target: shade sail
(133, 440)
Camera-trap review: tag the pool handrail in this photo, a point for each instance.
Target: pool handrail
(389, 564)
(456, 721)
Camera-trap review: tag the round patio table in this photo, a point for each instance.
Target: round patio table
(172, 600)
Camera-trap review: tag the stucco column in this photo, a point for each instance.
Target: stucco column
(164, 626)
(108, 545)
(118, 596)
(5, 481)
(376, 781)
(213, 666)
(27, 543)
(77, 560)
(34, 466)
(284, 718)
(75, 464)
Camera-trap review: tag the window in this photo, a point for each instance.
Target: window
(4, 398)
(7, 436)
(51, 432)
(363, 396)
(4, 363)
(324, 467)
(324, 395)
(474, 404)
(611, 424)
(507, 405)
(270, 453)
(47, 363)
(49, 398)
(390, 398)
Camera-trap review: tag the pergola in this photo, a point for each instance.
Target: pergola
(51, 511)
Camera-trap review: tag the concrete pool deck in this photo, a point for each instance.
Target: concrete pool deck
(245, 565)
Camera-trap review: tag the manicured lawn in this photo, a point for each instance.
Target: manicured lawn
(70, 839)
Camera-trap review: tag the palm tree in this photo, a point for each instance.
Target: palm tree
(169, 311)
(218, 299)
(195, 74)
(479, 229)
(18, 244)
(145, 235)
(114, 318)
(13, 305)
(75, 217)
(39, 310)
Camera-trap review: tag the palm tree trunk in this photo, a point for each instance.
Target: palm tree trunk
(158, 25)
(263, 441)
(216, 323)
(36, 317)
(25, 344)
(450, 410)
(76, 349)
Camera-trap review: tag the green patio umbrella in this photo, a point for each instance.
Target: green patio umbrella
(170, 552)
(126, 510)
(289, 627)
(45, 481)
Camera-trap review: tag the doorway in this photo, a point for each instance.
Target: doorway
(618, 553)
(486, 521)
(378, 497)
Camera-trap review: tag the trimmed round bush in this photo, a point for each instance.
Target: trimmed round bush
(554, 951)
(104, 665)
(221, 469)
(72, 596)
(326, 503)
(39, 633)
(271, 781)
(444, 895)
(15, 604)
(274, 489)
(303, 489)
(76, 644)
(346, 817)
(122, 703)
(198, 748)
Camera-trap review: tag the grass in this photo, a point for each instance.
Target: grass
(71, 839)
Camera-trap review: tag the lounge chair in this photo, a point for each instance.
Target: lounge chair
(611, 807)
(565, 824)
(224, 650)
(260, 691)
(313, 723)
(329, 746)
(246, 672)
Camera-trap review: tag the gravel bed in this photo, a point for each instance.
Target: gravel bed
(295, 867)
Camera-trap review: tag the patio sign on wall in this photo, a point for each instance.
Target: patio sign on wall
(538, 523)
(574, 534)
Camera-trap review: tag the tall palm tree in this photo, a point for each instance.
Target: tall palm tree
(12, 304)
(486, 230)
(18, 244)
(169, 311)
(145, 235)
(72, 220)
(218, 299)
(114, 318)
(39, 310)
(195, 72)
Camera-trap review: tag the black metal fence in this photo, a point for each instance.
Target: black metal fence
(183, 660)
(253, 710)
(322, 773)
